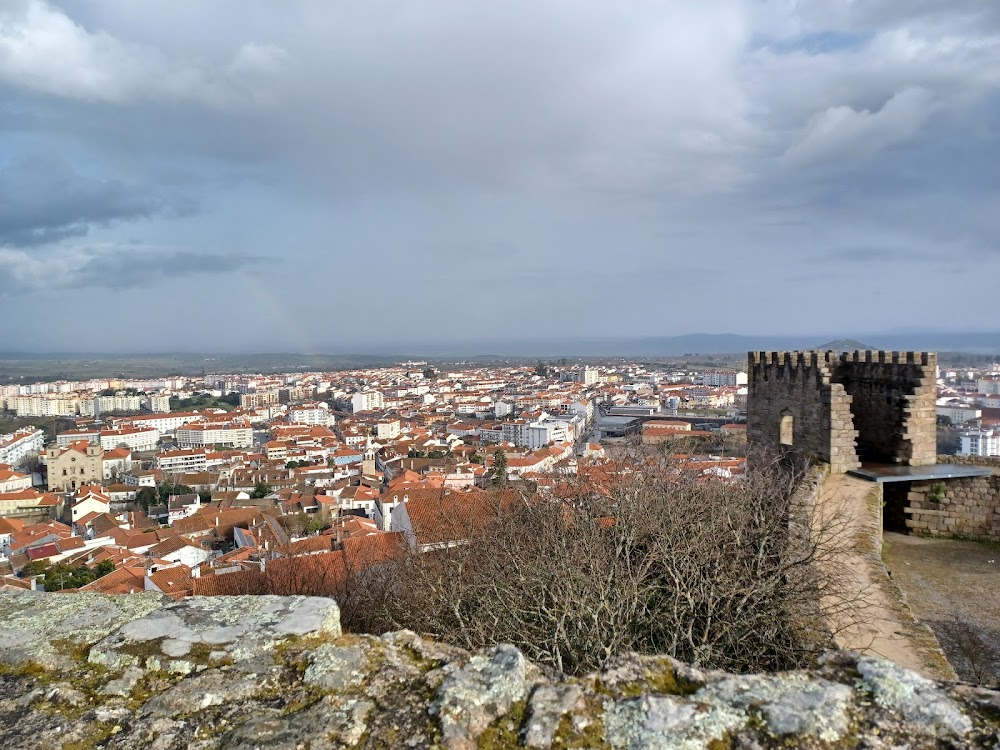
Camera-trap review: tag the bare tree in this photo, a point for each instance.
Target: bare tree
(641, 553)
(979, 656)
(301, 568)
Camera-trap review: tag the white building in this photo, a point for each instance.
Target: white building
(367, 401)
(184, 460)
(89, 502)
(50, 406)
(989, 386)
(541, 433)
(134, 438)
(310, 413)
(980, 443)
(959, 414)
(167, 423)
(514, 432)
(18, 445)
(118, 402)
(117, 463)
(63, 439)
(230, 435)
(13, 481)
(387, 430)
(159, 404)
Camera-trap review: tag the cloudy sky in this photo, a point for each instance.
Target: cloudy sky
(318, 175)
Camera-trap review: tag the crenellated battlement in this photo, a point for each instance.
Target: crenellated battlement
(813, 358)
(828, 358)
(791, 365)
(923, 359)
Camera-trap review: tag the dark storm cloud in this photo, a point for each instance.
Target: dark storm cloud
(43, 200)
(535, 165)
(127, 267)
(111, 268)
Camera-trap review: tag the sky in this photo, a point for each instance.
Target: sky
(334, 175)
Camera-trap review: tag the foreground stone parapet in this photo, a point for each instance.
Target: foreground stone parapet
(270, 672)
(236, 629)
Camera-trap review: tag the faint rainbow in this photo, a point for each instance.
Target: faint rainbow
(286, 323)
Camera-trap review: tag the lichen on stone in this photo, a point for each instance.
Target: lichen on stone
(666, 722)
(272, 672)
(917, 698)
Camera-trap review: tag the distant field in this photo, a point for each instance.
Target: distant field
(28, 368)
(33, 368)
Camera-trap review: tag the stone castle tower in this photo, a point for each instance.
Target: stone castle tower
(871, 406)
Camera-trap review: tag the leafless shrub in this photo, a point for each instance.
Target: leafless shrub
(642, 553)
(978, 656)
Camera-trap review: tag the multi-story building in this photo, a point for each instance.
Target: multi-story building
(537, 434)
(87, 434)
(310, 413)
(135, 438)
(989, 386)
(959, 414)
(740, 401)
(717, 378)
(491, 432)
(159, 404)
(118, 402)
(20, 444)
(387, 429)
(167, 423)
(183, 460)
(367, 401)
(50, 406)
(514, 432)
(228, 434)
(587, 376)
(259, 399)
(980, 443)
(293, 394)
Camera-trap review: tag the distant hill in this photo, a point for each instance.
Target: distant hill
(845, 345)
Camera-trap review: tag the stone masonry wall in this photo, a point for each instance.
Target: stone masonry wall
(140, 672)
(991, 461)
(893, 403)
(956, 507)
(800, 384)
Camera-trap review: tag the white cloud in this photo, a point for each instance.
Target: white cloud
(844, 133)
(253, 58)
(45, 51)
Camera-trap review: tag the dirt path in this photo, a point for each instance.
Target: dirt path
(954, 588)
(879, 622)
